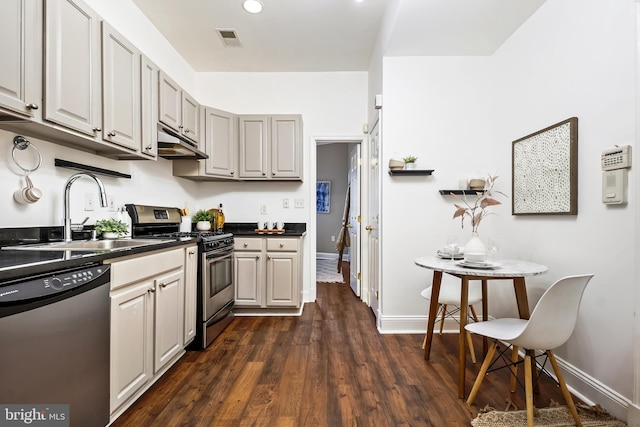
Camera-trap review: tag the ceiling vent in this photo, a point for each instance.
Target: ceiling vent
(229, 37)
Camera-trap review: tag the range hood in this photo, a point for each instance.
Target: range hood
(174, 146)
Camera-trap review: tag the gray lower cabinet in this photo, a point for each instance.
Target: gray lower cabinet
(267, 272)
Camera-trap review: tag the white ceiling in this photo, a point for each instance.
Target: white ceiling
(332, 35)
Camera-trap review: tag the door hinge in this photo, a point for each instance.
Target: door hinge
(359, 276)
(359, 219)
(377, 295)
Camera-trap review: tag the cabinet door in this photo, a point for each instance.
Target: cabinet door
(149, 108)
(72, 66)
(220, 143)
(282, 279)
(121, 111)
(190, 292)
(248, 278)
(169, 317)
(253, 146)
(190, 117)
(20, 29)
(170, 102)
(131, 341)
(286, 147)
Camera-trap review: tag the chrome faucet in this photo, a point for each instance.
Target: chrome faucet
(67, 188)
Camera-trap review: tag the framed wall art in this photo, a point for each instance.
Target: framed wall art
(323, 196)
(545, 171)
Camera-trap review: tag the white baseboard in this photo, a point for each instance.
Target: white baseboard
(581, 384)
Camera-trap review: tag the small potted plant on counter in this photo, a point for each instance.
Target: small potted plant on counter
(410, 162)
(111, 228)
(202, 219)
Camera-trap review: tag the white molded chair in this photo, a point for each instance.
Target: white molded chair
(450, 296)
(549, 326)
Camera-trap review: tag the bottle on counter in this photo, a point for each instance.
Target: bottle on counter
(220, 219)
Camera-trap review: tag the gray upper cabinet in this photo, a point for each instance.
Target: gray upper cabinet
(178, 109)
(21, 50)
(122, 114)
(220, 144)
(72, 67)
(149, 108)
(270, 147)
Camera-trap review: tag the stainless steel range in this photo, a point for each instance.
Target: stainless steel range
(215, 266)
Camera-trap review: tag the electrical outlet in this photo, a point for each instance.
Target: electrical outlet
(285, 203)
(89, 202)
(111, 203)
(299, 203)
(333, 238)
(263, 209)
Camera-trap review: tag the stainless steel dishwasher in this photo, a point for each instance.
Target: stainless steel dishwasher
(54, 343)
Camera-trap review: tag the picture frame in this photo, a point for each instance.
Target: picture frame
(323, 196)
(545, 171)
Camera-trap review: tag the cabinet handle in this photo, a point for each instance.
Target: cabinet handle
(32, 106)
(231, 172)
(245, 245)
(97, 129)
(192, 252)
(273, 173)
(257, 256)
(186, 131)
(151, 290)
(269, 257)
(163, 285)
(148, 147)
(281, 245)
(263, 173)
(111, 134)
(180, 127)
(368, 228)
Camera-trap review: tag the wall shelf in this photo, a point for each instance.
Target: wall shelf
(411, 172)
(86, 168)
(447, 192)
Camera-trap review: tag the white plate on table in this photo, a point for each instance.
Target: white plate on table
(446, 255)
(482, 265)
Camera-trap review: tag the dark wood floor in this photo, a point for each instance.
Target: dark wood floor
(328, 367)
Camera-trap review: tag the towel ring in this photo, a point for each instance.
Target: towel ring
(22, 143)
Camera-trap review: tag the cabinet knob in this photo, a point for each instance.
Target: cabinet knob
(268, 257)
(231, 172)
(97, 129)
(151, 290)
(281, 245)
(186, 131)
(192, 252)
(148, 147)
(245, 245)
(111, 134)
(263, 173)
(32, 106)
(257, 256)
(273, 173)
(368, 228)
(163, 285)
(180, 127)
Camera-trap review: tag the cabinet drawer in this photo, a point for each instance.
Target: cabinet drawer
(134, 269)
(247, 244)
(282, 244)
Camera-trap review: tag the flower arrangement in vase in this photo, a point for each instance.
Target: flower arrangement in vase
(475, 250)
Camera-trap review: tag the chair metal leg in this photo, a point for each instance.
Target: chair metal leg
(514, 368)
(482, 373)
(444, 311)
(563, 387)
(528, 387)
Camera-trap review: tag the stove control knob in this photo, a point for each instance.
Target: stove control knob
(56, 284)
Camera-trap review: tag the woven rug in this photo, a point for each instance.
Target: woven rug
(555, 416)
(327, 271)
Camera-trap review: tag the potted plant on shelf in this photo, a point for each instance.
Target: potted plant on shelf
(111, 228)
(203, 219)
(410, 162)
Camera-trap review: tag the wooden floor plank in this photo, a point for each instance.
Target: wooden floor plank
(328, 367)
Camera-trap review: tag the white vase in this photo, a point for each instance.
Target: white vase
(109, 235)
(203, 225)
(475, 250)
(410, 165)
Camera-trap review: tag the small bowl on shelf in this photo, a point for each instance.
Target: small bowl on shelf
(395, 165)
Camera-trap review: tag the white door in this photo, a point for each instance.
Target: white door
(354, 218)
(373, 219)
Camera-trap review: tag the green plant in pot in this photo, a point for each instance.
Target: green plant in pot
(111, 228)
(203, 219)
(409, 161)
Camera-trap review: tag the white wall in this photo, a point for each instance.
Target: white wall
(572, 58)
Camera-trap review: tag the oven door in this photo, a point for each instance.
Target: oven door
(217, 281)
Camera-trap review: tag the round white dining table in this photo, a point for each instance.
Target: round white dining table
(504, 269)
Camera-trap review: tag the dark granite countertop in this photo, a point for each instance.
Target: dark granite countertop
(15, 264)
(248, 229)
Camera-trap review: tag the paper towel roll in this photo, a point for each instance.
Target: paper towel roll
(185, 224)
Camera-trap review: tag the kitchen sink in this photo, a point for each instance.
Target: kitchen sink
(90, 245)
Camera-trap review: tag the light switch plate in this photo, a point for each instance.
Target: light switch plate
(299, 203)
(89, 202)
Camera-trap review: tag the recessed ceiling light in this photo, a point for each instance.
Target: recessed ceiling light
(252, 6)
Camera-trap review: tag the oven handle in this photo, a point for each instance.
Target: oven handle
(222, 313)
(218, 254)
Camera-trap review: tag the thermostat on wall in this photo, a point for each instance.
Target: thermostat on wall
(618, 157)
